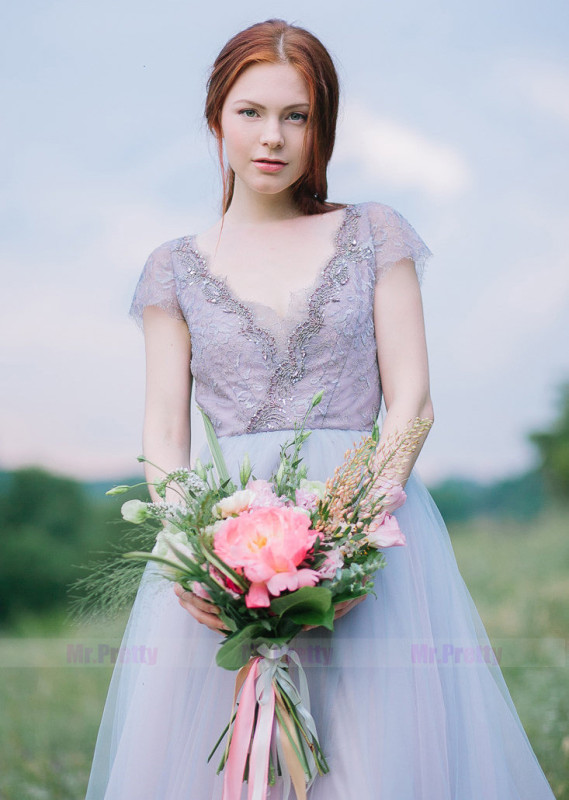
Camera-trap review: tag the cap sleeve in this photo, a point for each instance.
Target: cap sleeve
(393, 239)
(156, 286)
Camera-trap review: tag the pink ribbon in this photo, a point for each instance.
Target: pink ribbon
(237, 758)
(259, 760)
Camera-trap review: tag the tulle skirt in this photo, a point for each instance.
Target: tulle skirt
(407, 693)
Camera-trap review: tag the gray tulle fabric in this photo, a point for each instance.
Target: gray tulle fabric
(407, 694)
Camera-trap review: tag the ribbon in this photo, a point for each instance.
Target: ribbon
(263, 683)
(242, 729)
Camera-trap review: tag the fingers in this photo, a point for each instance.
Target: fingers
(343, 608)
(201, 610)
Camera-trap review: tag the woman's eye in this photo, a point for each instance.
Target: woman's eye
(295, 116)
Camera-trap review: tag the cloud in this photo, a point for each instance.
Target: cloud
(545, 84)
(73, 381)
(524, 295)
(400, 156)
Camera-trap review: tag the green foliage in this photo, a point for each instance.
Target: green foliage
(311, 605)
(519, 497)
(51, 526)
(553, 447)
(516, 571)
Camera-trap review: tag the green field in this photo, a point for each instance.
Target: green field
(519, 578)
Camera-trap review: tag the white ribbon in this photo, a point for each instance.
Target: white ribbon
(273, 667)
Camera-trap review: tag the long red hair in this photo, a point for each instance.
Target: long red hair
(275, 42)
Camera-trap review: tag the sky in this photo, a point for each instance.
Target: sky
(456, 114)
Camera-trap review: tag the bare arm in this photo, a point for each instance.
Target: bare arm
(166, 433)
(402, 352)
(403, 363)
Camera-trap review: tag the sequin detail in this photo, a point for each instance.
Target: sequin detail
(217, 292)
(272, 414)
(255, 370)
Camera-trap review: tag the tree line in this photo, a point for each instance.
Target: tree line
(53, 526)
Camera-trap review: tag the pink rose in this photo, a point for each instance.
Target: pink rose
(394, 494)
(200, 591)
(268, 544)
(333, 562)
(385, 533)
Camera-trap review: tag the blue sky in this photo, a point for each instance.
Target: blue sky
(455, 114)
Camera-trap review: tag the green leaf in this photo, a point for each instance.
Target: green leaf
(214, 448)
(140, 556)
(311, 599)
(324, 618)
(236, 650)
(349, 595)
(219, 564)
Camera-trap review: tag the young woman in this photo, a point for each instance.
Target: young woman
(286, 295)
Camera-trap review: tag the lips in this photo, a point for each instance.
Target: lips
(269, 161)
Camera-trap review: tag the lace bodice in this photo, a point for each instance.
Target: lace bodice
(253, 370)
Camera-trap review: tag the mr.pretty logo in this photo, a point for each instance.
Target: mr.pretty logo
(451, 654)
(107, 654)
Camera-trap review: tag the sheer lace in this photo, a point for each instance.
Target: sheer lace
(255, 371)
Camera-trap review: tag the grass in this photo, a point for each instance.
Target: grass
(516, 573)
(518, 576)
(51, 709)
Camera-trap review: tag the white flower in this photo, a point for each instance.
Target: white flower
(167, 511)
(167, 539)
(314, 487)
(234, 504)
(134, 511)
(302, 510)
(190, 480)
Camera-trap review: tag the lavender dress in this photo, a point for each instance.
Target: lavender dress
(408, 697)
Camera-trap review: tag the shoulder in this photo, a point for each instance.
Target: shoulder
(381, 213)
(394, 238)
(164, 251)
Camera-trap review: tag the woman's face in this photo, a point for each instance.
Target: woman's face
(264, 116)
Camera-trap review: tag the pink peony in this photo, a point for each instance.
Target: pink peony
(263, 494)
(268, 544)
(385, 533)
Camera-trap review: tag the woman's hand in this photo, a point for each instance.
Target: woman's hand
(202, 610)
(341, 610)
(208, 614)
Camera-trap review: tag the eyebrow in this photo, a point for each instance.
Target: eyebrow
(253, 103)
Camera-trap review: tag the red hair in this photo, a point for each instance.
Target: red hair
(276, 42)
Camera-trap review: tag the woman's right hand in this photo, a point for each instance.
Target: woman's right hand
(201, 610)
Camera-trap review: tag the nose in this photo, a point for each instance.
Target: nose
(272, 134)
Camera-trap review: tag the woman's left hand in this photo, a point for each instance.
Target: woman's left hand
(201, 610)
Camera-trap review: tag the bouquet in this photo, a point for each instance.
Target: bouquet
(276, 555)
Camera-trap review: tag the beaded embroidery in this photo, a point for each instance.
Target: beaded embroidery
(216, 291)
(253, 375)
(290, 368)
(272, 413)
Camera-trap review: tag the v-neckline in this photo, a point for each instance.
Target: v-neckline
(307, 292)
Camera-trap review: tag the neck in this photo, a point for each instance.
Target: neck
(253, 207)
